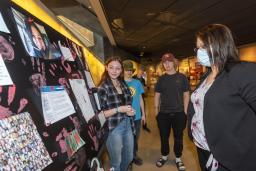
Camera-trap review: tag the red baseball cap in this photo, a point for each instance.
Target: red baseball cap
(168, 57)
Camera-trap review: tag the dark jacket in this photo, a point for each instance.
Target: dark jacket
(230, 117)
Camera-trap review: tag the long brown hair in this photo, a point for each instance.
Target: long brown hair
(105, 75)
(220, 45)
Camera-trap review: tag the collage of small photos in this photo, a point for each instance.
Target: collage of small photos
(21, 145)
(49, 116)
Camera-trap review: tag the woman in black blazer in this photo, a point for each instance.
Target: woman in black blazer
(222, 115)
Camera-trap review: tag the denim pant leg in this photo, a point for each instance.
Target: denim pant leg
(120, 146)
(114, 146)
(137, 124)
(128, 142)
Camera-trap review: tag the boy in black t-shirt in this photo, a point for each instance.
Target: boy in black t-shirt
(172, 92)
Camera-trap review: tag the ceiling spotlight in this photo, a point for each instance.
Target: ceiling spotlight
(175, 40)
(141, 53)
(118, 23)
(144, 47)
(162, 12)
(151, 14)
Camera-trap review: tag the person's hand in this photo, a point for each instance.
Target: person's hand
(131, 112)
(125, 108)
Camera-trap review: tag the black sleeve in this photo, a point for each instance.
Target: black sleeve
(186, 86)
(247, 84)
(158, 86)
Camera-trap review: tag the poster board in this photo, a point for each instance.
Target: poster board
(35, 60)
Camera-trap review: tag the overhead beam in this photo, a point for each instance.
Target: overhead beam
(97, 7)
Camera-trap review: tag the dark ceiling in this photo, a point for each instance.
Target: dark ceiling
(157, 26)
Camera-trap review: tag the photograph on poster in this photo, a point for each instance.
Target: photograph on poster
(6, 47)
(37, 80)
(56, 104)
(83, 65)
(80, 91)
(3, 26)
(70, 50)
(73, 142)
(34, 38)
(21, 147)
(10, 102)
(5, 78)
(73, 52)
(75, 49)
(83, 57)
(68, 56)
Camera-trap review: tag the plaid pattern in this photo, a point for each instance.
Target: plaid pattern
(109, 99)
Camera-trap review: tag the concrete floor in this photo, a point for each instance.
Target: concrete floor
(149, 146)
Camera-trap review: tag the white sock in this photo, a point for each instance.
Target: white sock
(178, 159)
(165, 157)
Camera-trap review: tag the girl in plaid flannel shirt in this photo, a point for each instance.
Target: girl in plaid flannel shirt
(115, 98)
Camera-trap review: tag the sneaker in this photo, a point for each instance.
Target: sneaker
(160, 162)
(138, 161)
(180, 165)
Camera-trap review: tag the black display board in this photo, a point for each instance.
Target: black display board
(31, 67)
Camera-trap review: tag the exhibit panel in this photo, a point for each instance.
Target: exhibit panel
(47, 98)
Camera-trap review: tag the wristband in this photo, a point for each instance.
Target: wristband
(117, 111)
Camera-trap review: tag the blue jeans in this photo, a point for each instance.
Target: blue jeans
(120, 145)
(137, 124)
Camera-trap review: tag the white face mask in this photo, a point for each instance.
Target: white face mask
(203, 57)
